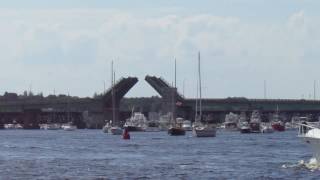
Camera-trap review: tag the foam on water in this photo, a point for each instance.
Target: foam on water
(312, 165)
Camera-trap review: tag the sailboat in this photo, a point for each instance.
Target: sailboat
(200, 129)
(114, 129)
(175, 130)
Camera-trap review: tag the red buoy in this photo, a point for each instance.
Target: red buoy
(126, 134)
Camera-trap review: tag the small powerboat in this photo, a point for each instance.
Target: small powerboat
(311, 135)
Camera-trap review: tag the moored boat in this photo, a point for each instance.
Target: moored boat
(69, 127)
(152, 126)
(266, 128)
(51, 126)
(115, 130)
(311, 135)
(187, 125)
(204, 131)
(276, 122)
(176, 131)
(278, 126)
(255, 121)
(231, 122)
(245, 128)
(137, 122)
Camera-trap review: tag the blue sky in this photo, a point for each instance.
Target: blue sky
(67, 46)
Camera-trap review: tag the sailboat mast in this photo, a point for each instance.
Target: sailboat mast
(200, 95)
(174, 92)
(112, 94)
(197, 96)
(68, 108)
(175, 73)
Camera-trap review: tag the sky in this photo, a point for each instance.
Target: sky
(66, 46)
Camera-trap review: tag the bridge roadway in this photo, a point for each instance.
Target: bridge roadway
(92, 112)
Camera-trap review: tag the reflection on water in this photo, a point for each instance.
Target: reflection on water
(91, 154)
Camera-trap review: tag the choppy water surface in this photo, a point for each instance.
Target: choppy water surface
(91, 154)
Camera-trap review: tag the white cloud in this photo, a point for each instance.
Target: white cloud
(70, 50)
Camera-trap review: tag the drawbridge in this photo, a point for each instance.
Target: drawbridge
(163, 88)
(120, 89)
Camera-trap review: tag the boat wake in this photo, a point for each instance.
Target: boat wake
(312, 165)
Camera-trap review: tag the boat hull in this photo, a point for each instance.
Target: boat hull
(69, 128)
(134, 128)
(315, 145)
(231, 126)
(278, 127)
(115, 131)
(176, 132)
(204, 132)
(255, 127)
(245, 130)
(267, 130)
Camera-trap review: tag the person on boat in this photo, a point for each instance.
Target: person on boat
(126, 134)
(304, 128)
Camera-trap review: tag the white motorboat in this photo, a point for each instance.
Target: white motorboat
(137, 122)
(9, 126)
(244, 127)
(115, 130)
(311, 135)
(255, 121)
(69, 127)
(231, 122)
(187, 125)
(12, 126)
(266, 128)
(51, 126)
(204, 131)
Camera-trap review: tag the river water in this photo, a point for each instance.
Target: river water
(91, 154)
